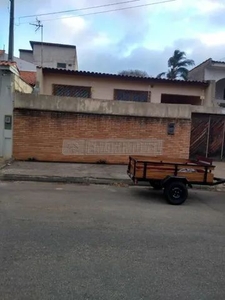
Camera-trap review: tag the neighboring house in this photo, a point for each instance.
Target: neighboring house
(51, 55)
(22, 65)
(10, 81)
(100, 86)
(214, 71)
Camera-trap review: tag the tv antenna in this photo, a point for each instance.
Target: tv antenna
(39, 26)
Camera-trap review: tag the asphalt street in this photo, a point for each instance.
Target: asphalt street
(106, 242)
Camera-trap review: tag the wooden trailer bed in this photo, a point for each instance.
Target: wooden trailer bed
(173, 175)
(158, 168)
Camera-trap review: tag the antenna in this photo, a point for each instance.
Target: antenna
(38, 26)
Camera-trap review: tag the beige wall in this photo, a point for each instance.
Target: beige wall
(22, 86)
(103, 88)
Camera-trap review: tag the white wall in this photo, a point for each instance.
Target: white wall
(55, 54)
(27, 56)
(9, 82)
(214, 74)
(103, 88)
(6, 108)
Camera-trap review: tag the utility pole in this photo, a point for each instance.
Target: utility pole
(11, 31)
(38, 25)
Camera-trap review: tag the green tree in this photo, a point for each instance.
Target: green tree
(177, 64)
(136, 73)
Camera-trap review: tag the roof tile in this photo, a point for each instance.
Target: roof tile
(7, 63)
(96, 74)
(28, 77)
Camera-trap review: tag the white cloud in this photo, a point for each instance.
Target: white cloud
(213, 39)
(208, 6)
(101, 39)
(76, 24)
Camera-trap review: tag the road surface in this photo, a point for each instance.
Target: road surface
(105, 242)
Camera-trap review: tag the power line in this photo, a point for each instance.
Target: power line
(78, 9)
(106, 11)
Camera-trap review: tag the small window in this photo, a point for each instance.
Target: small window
(128, 95)
(72, 91)
(61, 65)
(224, 94)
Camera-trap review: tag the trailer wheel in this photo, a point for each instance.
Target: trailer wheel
(176, 193)
(156, 184)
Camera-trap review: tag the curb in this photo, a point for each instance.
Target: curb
(60, 179)
(90, 180)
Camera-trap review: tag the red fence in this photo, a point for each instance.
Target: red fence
(208, 136)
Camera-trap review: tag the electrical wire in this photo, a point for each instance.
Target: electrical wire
(78, 9)
(105, 11)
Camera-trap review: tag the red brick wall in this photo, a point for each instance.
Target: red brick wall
(39, 134)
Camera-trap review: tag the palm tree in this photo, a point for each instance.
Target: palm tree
(177, 64)
(135, 73)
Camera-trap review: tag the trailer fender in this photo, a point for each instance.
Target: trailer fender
(170, 179)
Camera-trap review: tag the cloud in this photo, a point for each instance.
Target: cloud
(139, 38)
(209, 6)
(151, 61)
(213, 39)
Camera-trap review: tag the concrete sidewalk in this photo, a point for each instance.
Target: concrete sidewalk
(79, 173)
(4, 162)
(65, 172)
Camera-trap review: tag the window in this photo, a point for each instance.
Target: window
(61, 65)
(128, 95)
(71, 91)
(180, 99)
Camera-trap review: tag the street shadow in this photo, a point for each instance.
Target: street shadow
(148, 194)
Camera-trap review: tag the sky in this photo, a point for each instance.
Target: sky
(141, 37)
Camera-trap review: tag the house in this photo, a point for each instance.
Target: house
(214, 71)
(10, 81)
(101, 86)
(46, 54)
(51, 55)
(26, 69)
(78, 116)
(22, 65)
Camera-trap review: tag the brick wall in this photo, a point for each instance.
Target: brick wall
(56, 136)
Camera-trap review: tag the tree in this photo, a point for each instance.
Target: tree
(177, 64)
(136, 73)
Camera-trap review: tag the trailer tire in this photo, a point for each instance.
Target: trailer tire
(156, 184)
(176, 192)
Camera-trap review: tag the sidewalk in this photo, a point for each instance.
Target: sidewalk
(65, 172)
(80, 173)
(3, 162)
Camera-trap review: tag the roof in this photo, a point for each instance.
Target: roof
(207, 62)
(25, 50)
(116, 76)
(218, 62)
(28, 77)
(32, 43)
(7, 63)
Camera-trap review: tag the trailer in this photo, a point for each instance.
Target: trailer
(173, 175)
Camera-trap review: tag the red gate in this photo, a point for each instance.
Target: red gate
(208, 136)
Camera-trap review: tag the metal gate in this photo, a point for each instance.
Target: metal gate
(208, 136)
